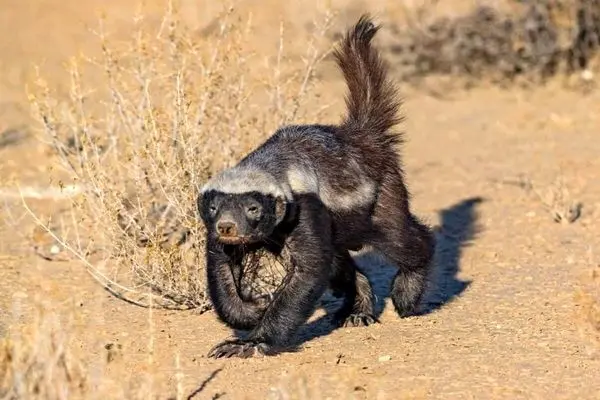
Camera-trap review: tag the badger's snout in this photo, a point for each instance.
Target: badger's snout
(227, 228)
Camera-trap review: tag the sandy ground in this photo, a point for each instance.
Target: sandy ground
(500, 320)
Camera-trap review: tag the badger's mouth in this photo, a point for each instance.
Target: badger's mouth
(234, 239)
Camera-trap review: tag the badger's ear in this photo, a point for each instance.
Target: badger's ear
(199, 201)
(280, 208)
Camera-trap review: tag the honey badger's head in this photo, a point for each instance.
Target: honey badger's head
(242, 205)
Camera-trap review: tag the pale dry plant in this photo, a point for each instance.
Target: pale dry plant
(559, 201)
(172, 108)
(587, 299)
(37, 361)
(300, 387)
(41, 357)
(556, 198)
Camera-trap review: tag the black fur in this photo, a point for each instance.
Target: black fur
(324, 190)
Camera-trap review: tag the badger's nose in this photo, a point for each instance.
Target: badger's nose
(226, 228)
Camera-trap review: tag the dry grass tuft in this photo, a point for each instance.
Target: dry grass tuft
(37, 361)
(588, 300)
(169, 109)
(42, 358)
(527, 42)
(556, 198)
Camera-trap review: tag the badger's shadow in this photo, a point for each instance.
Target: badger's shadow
(458, 228)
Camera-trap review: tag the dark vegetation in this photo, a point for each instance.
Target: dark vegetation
(529, 43)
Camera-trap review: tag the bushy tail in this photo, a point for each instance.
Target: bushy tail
(372, 101)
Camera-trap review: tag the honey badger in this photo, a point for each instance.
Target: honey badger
(317, 191)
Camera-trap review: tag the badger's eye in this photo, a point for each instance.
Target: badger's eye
(253, 211)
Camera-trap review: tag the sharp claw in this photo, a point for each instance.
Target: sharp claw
(357, 320)
(237, 348)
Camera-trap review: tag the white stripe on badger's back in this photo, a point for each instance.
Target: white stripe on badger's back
(300, 180)
(362, 195)
(238, 180)
(303, 180)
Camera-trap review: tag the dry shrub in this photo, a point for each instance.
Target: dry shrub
(555, 197)
(529, 42)
(41, 358)
(171, 107)
(37, 362)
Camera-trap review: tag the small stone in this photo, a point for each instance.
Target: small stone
(587, 75)
(384, 358)
(55, 249)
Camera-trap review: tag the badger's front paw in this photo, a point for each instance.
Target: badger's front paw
(240, 348)
(262, 302)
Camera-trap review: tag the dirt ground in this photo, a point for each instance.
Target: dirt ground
(501, 319)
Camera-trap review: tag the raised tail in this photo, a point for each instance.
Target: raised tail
(372, 101)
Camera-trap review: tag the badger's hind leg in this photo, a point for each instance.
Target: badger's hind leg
(405, 242)
(409, 245)
(348, 281)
